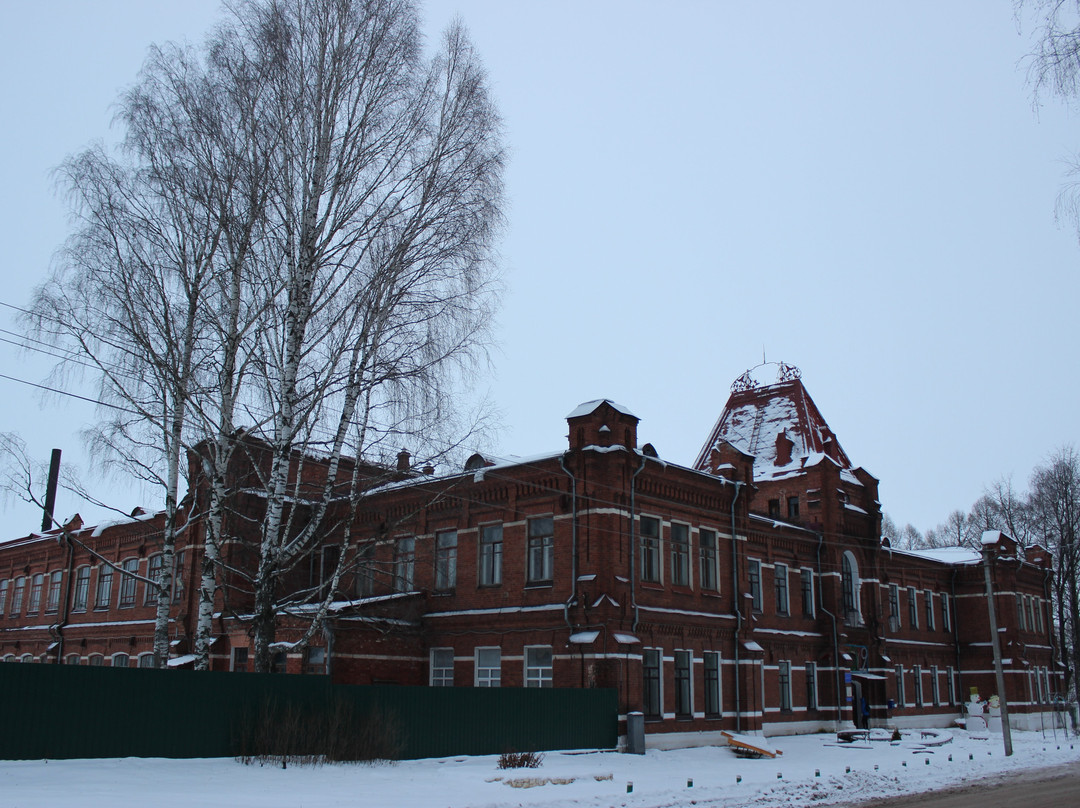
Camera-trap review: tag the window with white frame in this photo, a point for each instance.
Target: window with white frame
(315, 660)
(81, 590)
(650, 549)
(709, 557)
(811, 686)
(404, 564)
(541, 550)
(928, 596)
(178, 577)
(851, 586)
(130, 568)
(26, 658)
(71, 659)
(95, 660)
(917, 673)
(9, 658)
(753, 572)
(1030, 602)
(806, 582)
(153, 572)
(3, 595)
(780, 583)
(900, 698)
(446, 560)
(1038, 614)
(1020, 619)
(239, 662)
(442, 667)
(52, 601)
(950, 684)
(680, 554)
(36, 585)
(488, 667)
(491, 548)
(538, 666)
(913, 607)
(651, 695)
(784, 681)
(684, 706)
(17, 595)
(120, 660)
(935, 688)
(946, 613)
(146, 660)
(713, 704)
(894, 607)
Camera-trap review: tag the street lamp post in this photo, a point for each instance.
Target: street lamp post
(989, 541)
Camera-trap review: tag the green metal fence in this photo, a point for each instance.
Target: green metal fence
(66, 711)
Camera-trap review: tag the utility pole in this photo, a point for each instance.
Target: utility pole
(988, 545)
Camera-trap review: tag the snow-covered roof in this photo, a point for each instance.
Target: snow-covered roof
(590, 406)
(945, 555)
(756, 420)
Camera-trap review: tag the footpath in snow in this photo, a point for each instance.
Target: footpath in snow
(813, 770)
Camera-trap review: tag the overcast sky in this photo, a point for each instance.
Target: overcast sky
(862, 190)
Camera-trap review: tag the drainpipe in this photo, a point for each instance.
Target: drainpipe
(956, 641)
(633, 543)
(573, 543)
(738, 611)
(835, 639)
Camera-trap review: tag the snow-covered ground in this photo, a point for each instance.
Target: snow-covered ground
(812, 771)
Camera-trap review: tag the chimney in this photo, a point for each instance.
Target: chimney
(403, 460)
(50, 491)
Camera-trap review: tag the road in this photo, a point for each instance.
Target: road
(1035, 788)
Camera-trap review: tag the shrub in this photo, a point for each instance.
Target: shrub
(520, 760)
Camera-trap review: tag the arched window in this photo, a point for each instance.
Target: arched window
(146, 660)
(96, 660)
(72, 659)
(851, 587)
(120, 660)
(26, 658)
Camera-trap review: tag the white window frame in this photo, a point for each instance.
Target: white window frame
(753, 582)
(783, 684)
(114, 657)
(540, 550)
(129, 590)
(145, 660)
(931, 623)
(440, 675)
(489, 555)
(683, 655)
(782, 589)
(813, 697)
(537, 674)
(806, 575)
(654, 550)
(681, 568)
(446, 547)
(717, 687)
(709, 558)
(487, 676)
(234, 653)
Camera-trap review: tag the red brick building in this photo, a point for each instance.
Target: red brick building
(749, 592)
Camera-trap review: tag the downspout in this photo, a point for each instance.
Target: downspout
(956, 641)
(573, 543)
(633, 543)
(835, 639)
(735, 599)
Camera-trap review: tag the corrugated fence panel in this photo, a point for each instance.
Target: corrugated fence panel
(61, 711)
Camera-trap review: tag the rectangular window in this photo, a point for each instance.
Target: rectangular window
(541, 550)
(935, 690)
(650, 686)
(488, 667)
(917, 672)
(17, 596)
(445, 560)
(712, 684)
(365, 570)
(946, 613)
(3, 595)
(178, 577)
(684, 706)
(52, 603)
(1020, 613)
(153, 572)
(314, 660)
(784, 677)
(442, 667)
(929, 596)
(1030, 601)
(491, 547)
(650, 549)
(130, 568)
(240, 660)
(754, 573)
(900, 700)
(774, 509)
(538, 666)
(793, 507)
(913, 607)
(404, 564)
(36, 585)
(806, 579)
(811, 686)
(894, 607)
(950, 684)
(680, 555)
(1038, 614)
(780, 581)
(708, 572)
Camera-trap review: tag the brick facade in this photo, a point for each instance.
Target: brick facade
(752, 592)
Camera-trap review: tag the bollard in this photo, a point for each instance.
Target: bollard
(738, 778)
(904, 764)
(817, 772)
(689, 782)
(875, 767)
(927, 761)
(779, 775)
(950, 758)
(629, 786)
(971, 756)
